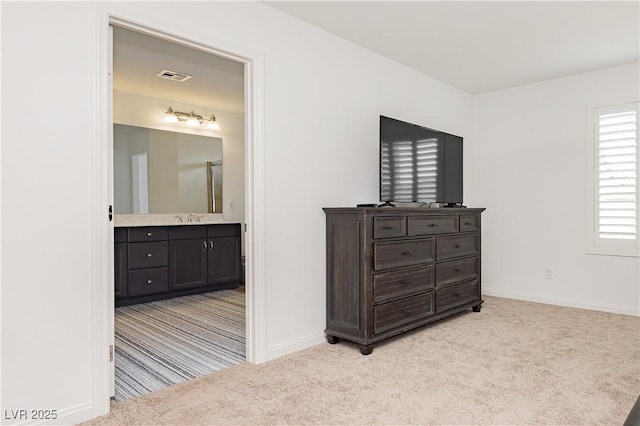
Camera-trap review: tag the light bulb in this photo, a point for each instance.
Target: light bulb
(170, 117)
(212, 125)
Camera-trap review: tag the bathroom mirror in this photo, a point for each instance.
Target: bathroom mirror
(159, 172)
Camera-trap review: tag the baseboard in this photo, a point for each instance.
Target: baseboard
(66, 416)
(559, 301)
(294, 345)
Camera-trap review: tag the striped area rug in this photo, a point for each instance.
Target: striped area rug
(162, 343)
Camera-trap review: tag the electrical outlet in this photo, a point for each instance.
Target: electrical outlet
(547, 274)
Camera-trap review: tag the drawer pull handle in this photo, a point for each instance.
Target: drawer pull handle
(149, 254)
(149, 234)
(456, 294)
(388, 227)
(406, 282)
(467, 223)
(406, 252)
(149, 281)
(433, 224)
(456, 270)
(457, 246)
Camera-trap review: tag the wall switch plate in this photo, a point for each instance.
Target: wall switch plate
(547, 274)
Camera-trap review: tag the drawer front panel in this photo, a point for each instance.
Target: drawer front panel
(390, 315)
(457, 246)
(224, 230)
(403, 253)
(389, 285)
(469, 222)
(148, 233)
(148, 255)
(456, 271)
(148, 281)
(457, 295)
(188, 232)
(389, 227)
(426, 225)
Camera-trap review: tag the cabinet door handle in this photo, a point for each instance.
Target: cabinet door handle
(149, 281)
(204, 245)
(149, 234)
(149, 254)
(467, 223)
(211, 245)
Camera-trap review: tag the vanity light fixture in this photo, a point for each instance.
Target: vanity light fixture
(191, 119)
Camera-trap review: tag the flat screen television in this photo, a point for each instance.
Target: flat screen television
(418, 164)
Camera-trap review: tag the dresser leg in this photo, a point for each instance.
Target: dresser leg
(477, 308)
(332, 339)
(366, 349)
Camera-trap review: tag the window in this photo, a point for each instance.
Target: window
(614, 218)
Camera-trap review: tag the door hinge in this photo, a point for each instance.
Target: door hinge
(110, 212)
(110, 353)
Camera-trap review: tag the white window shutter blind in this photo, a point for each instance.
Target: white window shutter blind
(616, 174)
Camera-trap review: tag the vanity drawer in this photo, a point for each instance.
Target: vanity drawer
(390, 285)
(148, 255)
(469, 222)
(394, 254)
(388, 316)
(188, 232)
(148, 281)
(389, 226)
(224, 230)
(426, 225)
(148, 233)
(457, 246)
(457, 270)
(457, 295)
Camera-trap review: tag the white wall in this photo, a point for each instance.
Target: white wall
(526, 164)
(323, 97)
(46, 207)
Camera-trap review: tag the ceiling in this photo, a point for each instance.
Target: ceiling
(217, 83)
(482, 46)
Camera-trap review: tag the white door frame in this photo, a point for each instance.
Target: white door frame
(133, 17)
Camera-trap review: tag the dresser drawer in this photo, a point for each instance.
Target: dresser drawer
(390, 285)
(148, 281)
(457, 246)
(391, 315)
(394, 254)
(148, 255)
(456, 295)
(426, 225)
(469, 222)
(456, 271)
(389, 226)
(148, 233)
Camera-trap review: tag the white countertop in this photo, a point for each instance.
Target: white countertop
(127, 220)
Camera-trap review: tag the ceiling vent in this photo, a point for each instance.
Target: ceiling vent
(174, 76)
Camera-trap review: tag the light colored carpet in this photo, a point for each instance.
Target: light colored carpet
(513, 363)
(159, 344)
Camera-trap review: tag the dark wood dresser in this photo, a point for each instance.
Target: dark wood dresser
(390, 270)
(160, 262)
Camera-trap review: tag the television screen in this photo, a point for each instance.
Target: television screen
(418, 164)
